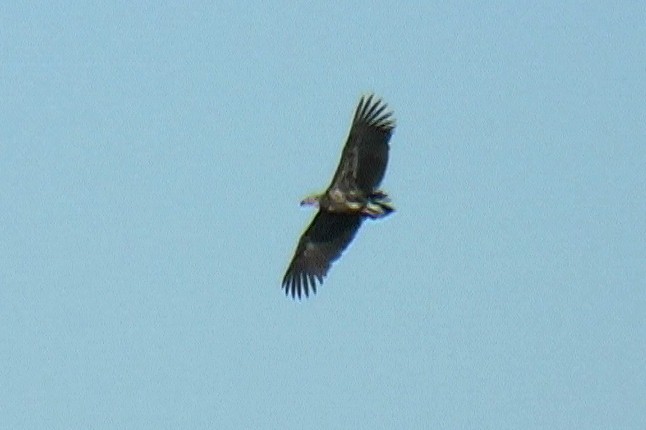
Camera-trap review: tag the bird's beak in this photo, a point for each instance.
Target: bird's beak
(309, 201)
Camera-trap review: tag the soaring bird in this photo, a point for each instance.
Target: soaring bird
(352, 196)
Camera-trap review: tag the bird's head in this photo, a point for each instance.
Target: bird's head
(311, 200)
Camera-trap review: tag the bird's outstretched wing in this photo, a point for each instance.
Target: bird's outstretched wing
(321, 244)
(365, 154)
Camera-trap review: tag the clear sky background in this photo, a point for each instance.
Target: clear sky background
(152, 158)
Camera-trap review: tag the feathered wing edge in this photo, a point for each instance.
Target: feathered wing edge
(372, 114)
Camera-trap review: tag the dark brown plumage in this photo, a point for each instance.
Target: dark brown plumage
(351, 197)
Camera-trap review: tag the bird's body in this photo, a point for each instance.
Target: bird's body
(337, 200)
(352, 197)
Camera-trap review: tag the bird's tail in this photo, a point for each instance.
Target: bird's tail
(379, 205)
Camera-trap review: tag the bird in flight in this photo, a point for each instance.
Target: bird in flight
(352, 197)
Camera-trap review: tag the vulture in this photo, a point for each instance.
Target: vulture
(352, 197)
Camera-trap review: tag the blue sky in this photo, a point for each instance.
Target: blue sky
(152, 157)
